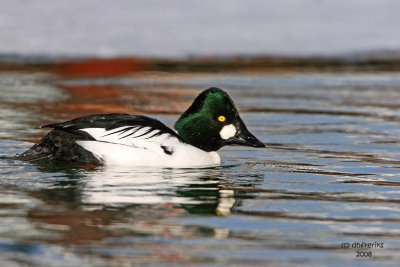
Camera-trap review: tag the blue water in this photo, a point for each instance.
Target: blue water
(329, 175)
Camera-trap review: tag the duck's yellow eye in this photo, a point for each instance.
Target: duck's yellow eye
(221, 118)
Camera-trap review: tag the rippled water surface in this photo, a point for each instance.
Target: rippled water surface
(327, 180)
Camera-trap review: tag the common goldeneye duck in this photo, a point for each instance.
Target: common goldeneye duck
(211, 122)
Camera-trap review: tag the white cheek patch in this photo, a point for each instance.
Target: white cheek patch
(227, 131)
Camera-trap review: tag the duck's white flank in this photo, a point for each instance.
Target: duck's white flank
(143, 147)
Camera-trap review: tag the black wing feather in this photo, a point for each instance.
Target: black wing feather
(60, 143)
(113, 121)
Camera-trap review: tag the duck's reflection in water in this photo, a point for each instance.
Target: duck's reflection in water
(116, 186)
(111, 202)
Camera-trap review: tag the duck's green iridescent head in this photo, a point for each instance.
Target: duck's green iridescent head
(212, 121)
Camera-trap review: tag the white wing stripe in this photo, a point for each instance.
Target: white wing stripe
(145, 137)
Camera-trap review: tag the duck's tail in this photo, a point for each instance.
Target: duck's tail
(59, 145)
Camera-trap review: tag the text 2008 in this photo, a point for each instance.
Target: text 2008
(364, 254)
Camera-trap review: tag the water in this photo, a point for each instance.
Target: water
(327, 179)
